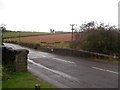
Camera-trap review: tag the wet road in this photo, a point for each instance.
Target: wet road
(70, 72)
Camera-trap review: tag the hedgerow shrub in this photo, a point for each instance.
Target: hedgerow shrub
(98, 38)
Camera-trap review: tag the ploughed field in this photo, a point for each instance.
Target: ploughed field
(43, 39)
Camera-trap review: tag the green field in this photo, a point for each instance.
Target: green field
(16, 34)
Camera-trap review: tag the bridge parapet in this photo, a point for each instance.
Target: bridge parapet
(16, 59)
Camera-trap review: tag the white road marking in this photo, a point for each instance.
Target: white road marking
(44, 56)
(54, 71)
(32, 57)
(58, 59)
(105, 70)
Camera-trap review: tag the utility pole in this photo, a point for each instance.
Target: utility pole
(72, 30)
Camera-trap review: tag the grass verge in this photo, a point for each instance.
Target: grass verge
(57, 45)
(111, 61)
(24, 80)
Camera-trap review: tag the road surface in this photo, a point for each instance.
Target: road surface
(70, 72)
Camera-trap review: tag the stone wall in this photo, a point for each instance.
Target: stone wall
(69, 52)
(16, 59)
(75, 53)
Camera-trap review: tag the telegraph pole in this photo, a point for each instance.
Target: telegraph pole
(72, 30)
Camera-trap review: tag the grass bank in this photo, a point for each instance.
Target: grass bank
(24, 80)
(56, 45)
(111, 61)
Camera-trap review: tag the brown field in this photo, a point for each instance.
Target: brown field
(43, 39)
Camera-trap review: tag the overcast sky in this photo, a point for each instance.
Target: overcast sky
(41, 15)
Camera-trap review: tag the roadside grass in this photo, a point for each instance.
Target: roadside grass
(62, 45)
(16, 34)
(57, 45)
(111, 61)
(0, 76)
(0, 71)
(24, 80)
